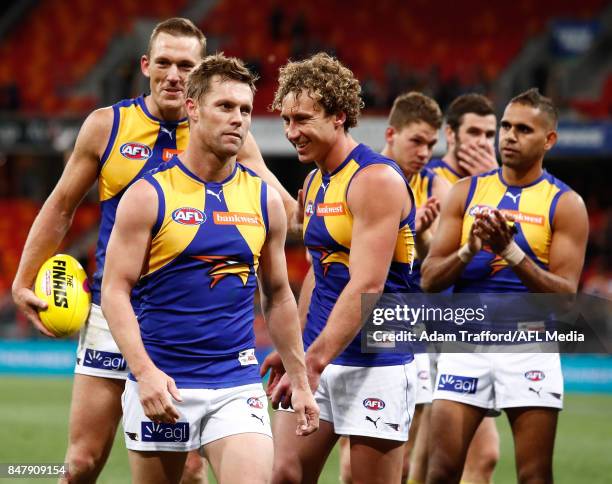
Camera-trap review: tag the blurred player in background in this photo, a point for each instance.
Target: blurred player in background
(115, 146)
(478, 251)
(191, 352)
(470, 138)
(414, 122)
(470, 134)
(359, 229)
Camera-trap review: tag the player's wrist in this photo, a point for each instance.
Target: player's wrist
(465, 253)
(513, 254)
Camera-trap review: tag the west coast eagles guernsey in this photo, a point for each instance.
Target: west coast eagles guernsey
(533, 207)
(328, 225)
(443, 169)
(196, 295)
(421, 185)
(138, 143)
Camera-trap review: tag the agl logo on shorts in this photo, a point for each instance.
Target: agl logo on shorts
(161, 432)
(373, 404)
(135, 151)
(188, 216)
(458, 384)
(104, 360)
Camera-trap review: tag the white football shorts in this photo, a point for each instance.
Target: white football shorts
(500, 380)
(424, 391)
(368, 401)
(206, 415)
(97, 353)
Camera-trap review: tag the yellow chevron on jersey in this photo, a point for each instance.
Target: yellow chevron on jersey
(238, 203)
(532, 207)
(443, 169)
(328, 233)
(421, 184)
(138, 141)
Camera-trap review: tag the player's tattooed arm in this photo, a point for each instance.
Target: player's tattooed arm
(56, 214)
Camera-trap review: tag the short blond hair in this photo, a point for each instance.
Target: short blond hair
(228, 68)
(326, 81)
(178, 27)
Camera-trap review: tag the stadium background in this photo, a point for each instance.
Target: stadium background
(63, 58)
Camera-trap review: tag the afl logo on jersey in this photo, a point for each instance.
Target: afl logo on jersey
(135, 151)
(188, 216)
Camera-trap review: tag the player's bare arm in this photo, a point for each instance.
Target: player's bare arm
(55, 216)
(376, 221)
(281, 316)
(250, 156)
(125, 259)
(570, 230)
(444, 265)
(273, 361)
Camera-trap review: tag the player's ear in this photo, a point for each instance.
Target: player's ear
(389, 133)
(551, 139)
(192, 109)
(340, 119)
(450, 135)
(144, 65)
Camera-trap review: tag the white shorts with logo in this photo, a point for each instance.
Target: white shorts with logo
(205, 416)
(97, 353)
(424, 391)
(500, 380)
(368, 401)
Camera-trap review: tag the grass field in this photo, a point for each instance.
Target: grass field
(34, 415)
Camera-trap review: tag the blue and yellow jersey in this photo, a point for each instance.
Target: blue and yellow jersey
(421, 185)
(328, 225)
(138, 143)
(197, 291)
(533, 207)
(441, 168)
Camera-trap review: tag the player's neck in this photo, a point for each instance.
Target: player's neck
(164, 114)
(337, 153)
(206, 165)
(451, 160)
(386, 151)
(519, 176)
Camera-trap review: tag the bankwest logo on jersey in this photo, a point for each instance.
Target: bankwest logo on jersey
(161, 432)
(458, 384)
(135, 151)
(519, 217)
(188, 216)
(330, 209)
(168, 153)
(236, 218)
(104, 360)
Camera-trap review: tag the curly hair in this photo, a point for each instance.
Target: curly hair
(326, 81)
